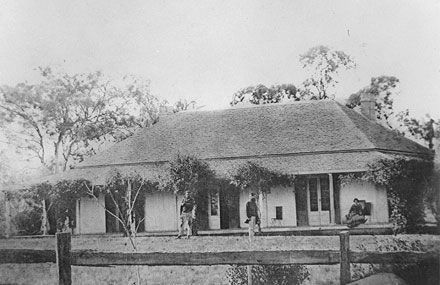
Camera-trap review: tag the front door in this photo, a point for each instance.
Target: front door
(318, 191)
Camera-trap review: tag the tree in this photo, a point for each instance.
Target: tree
(184, 105)
(383, 88)
(6, 176)
(260, 94)
(323, 66)
(424, 129)
(66, 117)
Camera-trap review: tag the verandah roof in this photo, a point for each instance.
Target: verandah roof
(226, 168)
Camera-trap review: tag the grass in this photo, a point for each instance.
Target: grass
(46, 273)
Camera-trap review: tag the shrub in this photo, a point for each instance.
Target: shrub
(28, 222)
(410, 184)
(424, 272)
(268, 274)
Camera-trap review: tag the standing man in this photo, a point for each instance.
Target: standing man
(252, 215)
(186, 215)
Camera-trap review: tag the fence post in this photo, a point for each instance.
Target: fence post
(249, 275)
(63, 258)
(345, 274)
(250, 279)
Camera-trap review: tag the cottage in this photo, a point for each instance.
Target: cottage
(314, 140)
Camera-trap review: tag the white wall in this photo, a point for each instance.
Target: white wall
(161, 211)
(284, 197)
(279, 196)
(367, 191)
(91, 215)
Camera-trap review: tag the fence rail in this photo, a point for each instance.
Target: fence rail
(65, 258)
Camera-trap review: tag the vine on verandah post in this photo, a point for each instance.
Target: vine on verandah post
(410, 183)
(254, 175)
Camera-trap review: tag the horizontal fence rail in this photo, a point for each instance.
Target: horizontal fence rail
(27, 256)
(65, 257)
(312, 257)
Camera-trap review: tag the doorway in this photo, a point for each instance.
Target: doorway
(318, 194)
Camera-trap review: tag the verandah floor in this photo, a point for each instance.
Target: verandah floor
(375, 229)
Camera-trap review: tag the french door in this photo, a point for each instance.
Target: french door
(318, 192)
(214, 210)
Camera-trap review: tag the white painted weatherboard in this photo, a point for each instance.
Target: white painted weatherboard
(281, 197)
(160, 212)
(278, 197)
(367, 191)
(91, 215)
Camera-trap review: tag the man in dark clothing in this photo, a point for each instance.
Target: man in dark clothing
(186, 215)
(252, 215)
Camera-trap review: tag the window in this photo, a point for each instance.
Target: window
(279, 213)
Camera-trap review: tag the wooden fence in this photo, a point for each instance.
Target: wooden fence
(64, 257)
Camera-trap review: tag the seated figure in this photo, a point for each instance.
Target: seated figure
(355, 216)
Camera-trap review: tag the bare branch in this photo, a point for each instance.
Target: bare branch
(136, 195)
(90, 192)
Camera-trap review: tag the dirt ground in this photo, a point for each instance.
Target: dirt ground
(46, 273)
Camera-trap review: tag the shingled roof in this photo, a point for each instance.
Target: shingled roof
(301, 137)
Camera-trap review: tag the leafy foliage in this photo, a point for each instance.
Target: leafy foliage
(426, 130)
(65, 193)
(66, 117)
(323, 65)
(184, 105)
(28, 221)
(423, 272)
(410, 183)
(188, 173)
(260, 94)
(253, 175)
(383, 89)
(268, 274)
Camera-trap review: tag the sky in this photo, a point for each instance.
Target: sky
(207, 50)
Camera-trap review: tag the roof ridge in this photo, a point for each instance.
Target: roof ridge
(253, 106)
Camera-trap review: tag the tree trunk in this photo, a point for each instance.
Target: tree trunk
(44, 220)
(131, 224)
(7, 216)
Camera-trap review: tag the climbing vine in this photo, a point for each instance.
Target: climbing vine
(254, 175)
(410, 184)
(188, 173)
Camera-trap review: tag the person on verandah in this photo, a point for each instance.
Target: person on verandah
(252, 215)
(186, 215)
(355, 216)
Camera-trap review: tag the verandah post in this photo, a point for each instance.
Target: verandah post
(345, 274)
(63, 258)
